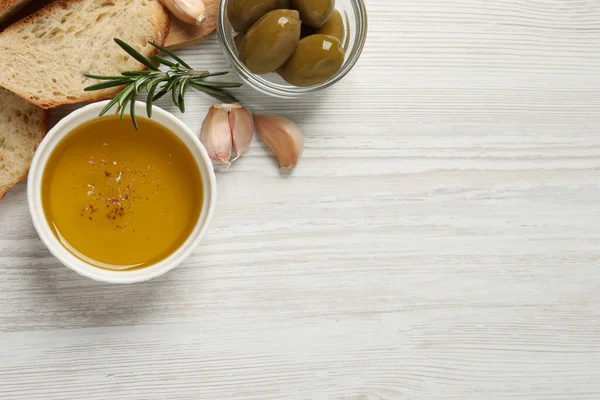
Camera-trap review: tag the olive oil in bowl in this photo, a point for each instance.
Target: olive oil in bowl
(120, 198)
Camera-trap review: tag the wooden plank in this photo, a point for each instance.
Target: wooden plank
(183, 35)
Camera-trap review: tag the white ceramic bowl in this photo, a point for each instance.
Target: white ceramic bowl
(34, 195)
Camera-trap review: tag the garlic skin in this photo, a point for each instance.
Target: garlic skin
(191, 12)
(215, 134)
(242, 129)
(283, 137)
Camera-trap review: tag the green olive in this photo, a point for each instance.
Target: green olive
(316, 59)
(238, 41)
(270, 41)
(314, 12)
(306, 30)
(334, 26)
(243, 14)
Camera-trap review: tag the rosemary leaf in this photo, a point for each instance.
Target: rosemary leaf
(199, 74)
(153, 82)
(136, 73)
(215, 74)
(182, 89)
(217, 94)
(125, 95)
(109, 105)
(139, 84)
(175, 94)
(134, 94)
(121, 109)
(150, 98)
(135, 54)
(161, 60)
(103, 78)
(171, 83)
(161, 93)
(170, 53)
(106, 85)
(218, 84)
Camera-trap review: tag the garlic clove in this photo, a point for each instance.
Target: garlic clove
(242, 129)
(191, 12)
(283, 137)
(215, 134)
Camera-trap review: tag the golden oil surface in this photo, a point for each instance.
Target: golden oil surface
(120, 198)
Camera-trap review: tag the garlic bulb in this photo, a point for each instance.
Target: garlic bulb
(191, 12)
(226, 126)
(283, 137)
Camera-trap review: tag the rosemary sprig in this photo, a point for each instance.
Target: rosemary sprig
(177, 79)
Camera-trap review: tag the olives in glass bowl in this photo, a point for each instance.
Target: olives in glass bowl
(287, 48)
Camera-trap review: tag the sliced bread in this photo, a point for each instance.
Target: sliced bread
(43, 58)
(22, 127)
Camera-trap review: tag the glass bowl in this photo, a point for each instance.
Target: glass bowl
(355, 24)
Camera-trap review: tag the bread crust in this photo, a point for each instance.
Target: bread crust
(160, 37)
(7, 7)
(44, 126)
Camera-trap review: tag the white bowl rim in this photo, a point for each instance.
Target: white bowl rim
(40, 223)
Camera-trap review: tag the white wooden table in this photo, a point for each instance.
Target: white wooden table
(439, 240)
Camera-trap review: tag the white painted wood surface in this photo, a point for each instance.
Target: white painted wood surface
(439, 240)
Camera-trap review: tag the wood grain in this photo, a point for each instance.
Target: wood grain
(439, 239)
(184, 35)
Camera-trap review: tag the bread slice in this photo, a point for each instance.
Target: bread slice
(43, 57)
(9, 7)
(22, 127)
